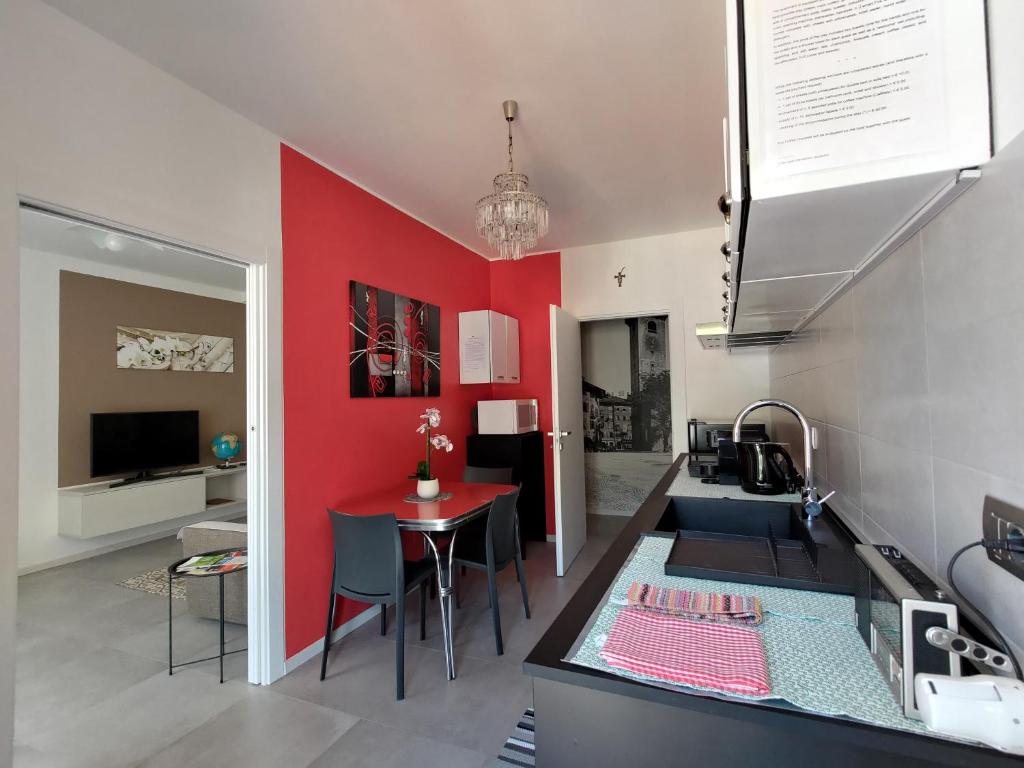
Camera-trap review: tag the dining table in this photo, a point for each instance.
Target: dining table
(438, 521)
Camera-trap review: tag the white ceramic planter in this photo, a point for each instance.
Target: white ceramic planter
(428, 489)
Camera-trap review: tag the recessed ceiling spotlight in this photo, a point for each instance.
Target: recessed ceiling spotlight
(113, 242)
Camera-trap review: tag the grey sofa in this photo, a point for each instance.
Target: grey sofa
(202, 594)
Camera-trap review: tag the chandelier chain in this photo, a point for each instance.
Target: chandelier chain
(509, 120)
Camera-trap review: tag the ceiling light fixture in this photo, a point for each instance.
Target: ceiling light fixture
(511, 218)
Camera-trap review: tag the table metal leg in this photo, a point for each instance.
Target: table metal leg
(170, 624)
(445, 591)
(221, 580)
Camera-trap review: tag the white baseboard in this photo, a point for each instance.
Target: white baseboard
(315, 648)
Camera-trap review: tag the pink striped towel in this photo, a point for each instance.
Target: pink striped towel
(716, 656)
(705, 606)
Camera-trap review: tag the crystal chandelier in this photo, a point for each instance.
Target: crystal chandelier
(511, 218)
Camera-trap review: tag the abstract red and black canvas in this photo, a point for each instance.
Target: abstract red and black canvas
(395, 344)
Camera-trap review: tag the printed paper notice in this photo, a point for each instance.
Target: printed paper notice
(474, 354)
(844, 82)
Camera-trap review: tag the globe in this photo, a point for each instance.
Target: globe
(225, 446)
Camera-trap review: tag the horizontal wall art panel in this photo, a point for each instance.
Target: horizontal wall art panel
(395, 344)
(148, 349)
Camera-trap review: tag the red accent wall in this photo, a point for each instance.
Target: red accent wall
(337, 447)
(526, 290)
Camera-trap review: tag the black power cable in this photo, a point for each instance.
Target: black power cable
(1010, 545)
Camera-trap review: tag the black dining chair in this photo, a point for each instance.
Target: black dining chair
(368, 567)
(492, 553)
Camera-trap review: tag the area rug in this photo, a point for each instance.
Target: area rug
(519, 748)
(155, 583)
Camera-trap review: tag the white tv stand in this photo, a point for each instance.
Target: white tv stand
(96, 509)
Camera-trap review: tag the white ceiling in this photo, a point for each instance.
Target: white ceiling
(55, 234)
(620, 102)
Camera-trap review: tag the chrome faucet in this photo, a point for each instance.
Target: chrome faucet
(811, 502)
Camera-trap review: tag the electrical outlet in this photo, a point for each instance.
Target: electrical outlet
(1000, 520)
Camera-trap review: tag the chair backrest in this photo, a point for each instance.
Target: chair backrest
(501, 527)
(367, 555)
(501, 475)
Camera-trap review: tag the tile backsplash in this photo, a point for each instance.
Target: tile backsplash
(914, 378)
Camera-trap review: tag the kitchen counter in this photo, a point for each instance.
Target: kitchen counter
(588, 717)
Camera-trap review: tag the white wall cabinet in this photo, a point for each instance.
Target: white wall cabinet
(844, 137)
(488, 348)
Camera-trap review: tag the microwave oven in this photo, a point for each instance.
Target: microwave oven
(506, 417)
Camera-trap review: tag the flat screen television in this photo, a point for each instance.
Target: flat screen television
(142, 442)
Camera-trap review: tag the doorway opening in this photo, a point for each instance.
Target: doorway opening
(627, 410)
(155, 340)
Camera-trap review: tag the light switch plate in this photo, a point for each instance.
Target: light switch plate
(1000, 520)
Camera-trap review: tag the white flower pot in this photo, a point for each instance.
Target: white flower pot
(428, 489)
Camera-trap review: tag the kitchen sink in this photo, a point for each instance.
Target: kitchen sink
(754, 542)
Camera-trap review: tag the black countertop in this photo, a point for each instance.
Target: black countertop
(545, 660)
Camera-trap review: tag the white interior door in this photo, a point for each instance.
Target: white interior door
(567, 438)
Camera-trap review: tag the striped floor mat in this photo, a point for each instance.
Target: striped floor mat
(519, 747)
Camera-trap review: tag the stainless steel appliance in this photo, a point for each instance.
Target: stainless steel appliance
(897, 605)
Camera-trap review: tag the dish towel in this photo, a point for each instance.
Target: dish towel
(706, 606)
(715, 656)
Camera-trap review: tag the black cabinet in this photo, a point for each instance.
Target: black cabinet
(525, 454)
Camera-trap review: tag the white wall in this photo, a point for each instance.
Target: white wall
(914, 375)
(678, 275)
(87, 126)
(39, 545)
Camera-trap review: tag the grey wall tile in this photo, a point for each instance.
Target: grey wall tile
(837, 339)
(892, 380)
(929, 342)
(876, 534)
(843, 456)
(897, 494)
(840, 394)
(972, 268)
(977, 411)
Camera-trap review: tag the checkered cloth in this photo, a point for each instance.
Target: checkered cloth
(716, 656)
(702, 606)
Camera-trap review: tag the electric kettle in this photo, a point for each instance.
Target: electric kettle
(766, 468)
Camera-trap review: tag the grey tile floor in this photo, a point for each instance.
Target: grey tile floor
(93, 690)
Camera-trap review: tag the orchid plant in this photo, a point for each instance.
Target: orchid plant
(431, 420)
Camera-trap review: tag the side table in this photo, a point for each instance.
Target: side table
(172, 574)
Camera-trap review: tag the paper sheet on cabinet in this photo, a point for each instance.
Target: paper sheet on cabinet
(474, 354)
(844, 82)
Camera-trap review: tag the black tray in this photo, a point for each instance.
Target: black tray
(765, 560)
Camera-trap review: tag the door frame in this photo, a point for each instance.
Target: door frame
(672, 366)
(266, 562)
